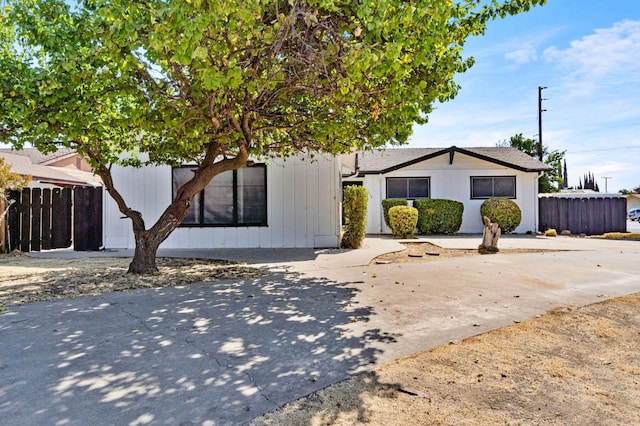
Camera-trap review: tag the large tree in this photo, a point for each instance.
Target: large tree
(553, 179)
(214, 82)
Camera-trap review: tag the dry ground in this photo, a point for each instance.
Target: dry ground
(565, 368)
(424, 251)
(25, 279)
(579, 367)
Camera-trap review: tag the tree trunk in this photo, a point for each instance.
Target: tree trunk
(144, 257)
(490, 237)
(148, 241)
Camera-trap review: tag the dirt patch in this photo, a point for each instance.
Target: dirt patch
(425, 251)
(567, 367)
(24, 279)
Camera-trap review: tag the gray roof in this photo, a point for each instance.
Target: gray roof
(36, 156)
(22, 165)
(392, 159)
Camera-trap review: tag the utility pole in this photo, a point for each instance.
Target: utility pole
(540, 110)
(606, 180)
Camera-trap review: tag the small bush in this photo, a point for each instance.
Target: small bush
(439, 216)
(551, 233)
(403, 220)
(503, 211)
(387, 203)
(355, 216)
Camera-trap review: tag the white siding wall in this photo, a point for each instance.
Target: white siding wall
(452, 182)
(302, 208)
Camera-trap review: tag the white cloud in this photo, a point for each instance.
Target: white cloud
(608, 57)
(523, 55)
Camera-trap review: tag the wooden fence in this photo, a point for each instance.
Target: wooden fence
(583, 215)
(45, 219)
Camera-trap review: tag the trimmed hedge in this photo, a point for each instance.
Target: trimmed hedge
(355, 203)
(439, 216)
(403, 220)
(387, 203)
(503, 211)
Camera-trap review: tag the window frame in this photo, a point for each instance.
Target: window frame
(235, 223)
(407, 178)
(493, 187)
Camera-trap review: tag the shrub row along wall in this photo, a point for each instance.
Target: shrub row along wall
(588, 215)
(435, 216)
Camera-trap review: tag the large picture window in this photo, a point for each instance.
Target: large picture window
(408, 188)
(493, 186)
(233, 198)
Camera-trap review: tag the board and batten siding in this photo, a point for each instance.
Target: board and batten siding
(303, 208)
(453, 182)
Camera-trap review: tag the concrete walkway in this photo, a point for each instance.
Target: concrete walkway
(225, 352)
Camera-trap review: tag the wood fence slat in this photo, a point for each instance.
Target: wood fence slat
(13, 220)
(25, 220)
(36, 218)
(46, 219)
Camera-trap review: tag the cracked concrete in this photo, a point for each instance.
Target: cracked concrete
(225, 352)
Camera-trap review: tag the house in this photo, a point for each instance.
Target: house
(274, 203)
(468, 175)
(61, 157)
(64, 168)
(633, 201)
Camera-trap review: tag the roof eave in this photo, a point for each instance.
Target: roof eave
(450, 151)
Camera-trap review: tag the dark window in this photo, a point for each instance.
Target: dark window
(408, 188)
(493, 186)
(233, 198)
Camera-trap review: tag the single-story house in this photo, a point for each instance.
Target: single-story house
(468, 175)
(45, 171)
(293, 202)
(62, 157)
(633, 201)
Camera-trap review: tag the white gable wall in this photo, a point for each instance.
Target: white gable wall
(302, 208)
(453, 182)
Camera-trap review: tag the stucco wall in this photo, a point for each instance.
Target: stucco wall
(302, 208)
(452, 182)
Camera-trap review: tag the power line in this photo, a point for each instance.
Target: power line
(604, 149)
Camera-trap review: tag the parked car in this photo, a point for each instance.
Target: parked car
(634, 214)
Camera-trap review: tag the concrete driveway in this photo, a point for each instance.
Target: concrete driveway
(226, 352)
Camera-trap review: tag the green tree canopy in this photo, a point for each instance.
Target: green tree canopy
(214, 82)
(635, 190)
(552, 180)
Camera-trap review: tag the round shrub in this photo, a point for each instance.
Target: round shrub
(403, 220)
(503, 211)
(439, 216)
(387, 203)
(355, 216)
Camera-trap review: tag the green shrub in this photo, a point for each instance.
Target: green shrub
(502, 211)
(355, 216)
(439, 216)
(403, 220)
(387, 203)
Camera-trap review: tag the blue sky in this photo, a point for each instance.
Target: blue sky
(587, 54)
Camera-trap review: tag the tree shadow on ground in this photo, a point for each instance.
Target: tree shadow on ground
(220, 352)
